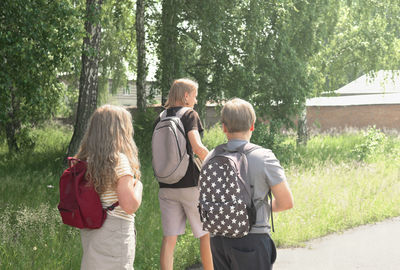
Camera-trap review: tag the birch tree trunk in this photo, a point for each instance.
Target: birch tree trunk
(13, 125)
(88, 82)
(141, 56)
(168, 49)
(302, 130)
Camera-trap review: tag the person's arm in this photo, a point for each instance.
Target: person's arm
(129, 192)
(283, 198)
(197, 146)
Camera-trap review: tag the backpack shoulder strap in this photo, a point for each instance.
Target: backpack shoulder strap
(182, 111)
(74, 162)
(247, 148)
(243, 166)
(178, 114)
(111, 207)
(163, 114)
(220, 149)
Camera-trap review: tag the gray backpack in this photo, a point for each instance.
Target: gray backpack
(170, 158)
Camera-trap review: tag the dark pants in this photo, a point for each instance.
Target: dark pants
(252, 252)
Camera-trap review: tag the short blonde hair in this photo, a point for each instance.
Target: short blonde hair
(178, 89)
(238, 115)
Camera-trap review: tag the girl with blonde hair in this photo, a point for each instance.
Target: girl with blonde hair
(113, 168)
(179, 201)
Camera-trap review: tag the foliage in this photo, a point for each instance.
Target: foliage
(213, 137)
(274, 54)
(250, 49)
(36, 45)
(364, 39)
(169, 51)
(118, 53)
(365, 146)
(143, 125)
(69, 99)
(278, 143)
(372, 146)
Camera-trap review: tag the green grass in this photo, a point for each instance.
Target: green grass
(338, 181)
(335, 197)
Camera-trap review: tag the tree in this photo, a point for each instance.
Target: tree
(141, 59)
(88, 82)
(258, 51)
(168, 51)
(208, 34)
(117, 50)
(250, 49)
(364, 39)
(36, 45)
(275, 54)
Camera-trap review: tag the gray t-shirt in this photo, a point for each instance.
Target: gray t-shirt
(264, 172)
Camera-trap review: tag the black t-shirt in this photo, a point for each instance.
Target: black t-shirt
(191, 121)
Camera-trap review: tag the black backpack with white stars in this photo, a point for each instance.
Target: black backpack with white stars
(225, 204)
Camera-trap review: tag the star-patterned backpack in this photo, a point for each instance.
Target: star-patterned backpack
(225, 203)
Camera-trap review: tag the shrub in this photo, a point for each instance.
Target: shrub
(283, 145)
(372, 145)
(213, 137)
(143, 124)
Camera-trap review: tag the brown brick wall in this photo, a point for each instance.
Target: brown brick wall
(360, 116)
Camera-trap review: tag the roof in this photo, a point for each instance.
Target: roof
(382, 88)
(374, 99)
(384, 81)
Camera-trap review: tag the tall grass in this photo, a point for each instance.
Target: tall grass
(335, 197)
(338, 181)
(31, 234)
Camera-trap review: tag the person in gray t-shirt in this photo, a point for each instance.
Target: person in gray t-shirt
(255, 250)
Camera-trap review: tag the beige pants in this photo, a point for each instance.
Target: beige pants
(110, 247)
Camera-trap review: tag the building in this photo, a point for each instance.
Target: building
(366, 101)
(126, 95)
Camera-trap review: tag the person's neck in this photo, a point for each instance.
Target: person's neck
(180, 104)
(239, 136)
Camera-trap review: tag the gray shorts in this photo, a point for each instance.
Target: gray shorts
(177, 205)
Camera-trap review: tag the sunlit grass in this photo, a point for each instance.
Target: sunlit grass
(335, 197)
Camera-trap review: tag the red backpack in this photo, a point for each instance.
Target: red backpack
(80, 204)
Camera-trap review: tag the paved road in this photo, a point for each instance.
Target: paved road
(373, 246)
